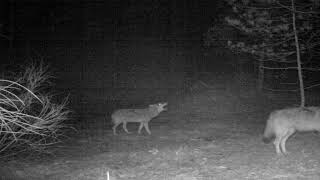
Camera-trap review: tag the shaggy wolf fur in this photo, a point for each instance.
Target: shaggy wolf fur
(285, 122)
(143, 116)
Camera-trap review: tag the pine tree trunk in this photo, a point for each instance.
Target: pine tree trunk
(302, 96)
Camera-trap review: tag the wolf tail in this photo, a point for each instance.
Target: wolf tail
(269, 134)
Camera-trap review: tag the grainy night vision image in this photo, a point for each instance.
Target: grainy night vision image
(159, 89)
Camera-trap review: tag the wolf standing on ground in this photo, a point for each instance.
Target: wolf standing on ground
(143, 116)
(285, 122)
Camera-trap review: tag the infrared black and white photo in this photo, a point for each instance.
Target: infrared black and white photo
(159, 89)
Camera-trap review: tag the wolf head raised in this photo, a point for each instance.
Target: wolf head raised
(159, 106)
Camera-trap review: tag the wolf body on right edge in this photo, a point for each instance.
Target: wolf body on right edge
(285, 122)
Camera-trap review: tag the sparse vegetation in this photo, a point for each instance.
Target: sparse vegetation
(30, 118)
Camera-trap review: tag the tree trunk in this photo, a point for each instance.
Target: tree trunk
(296, 38)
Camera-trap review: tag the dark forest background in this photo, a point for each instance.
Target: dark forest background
(111, 54)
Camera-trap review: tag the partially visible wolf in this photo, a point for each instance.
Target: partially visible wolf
(285, 122)
(143, 116)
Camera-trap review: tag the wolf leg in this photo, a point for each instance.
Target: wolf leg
(114, 128)
(140, 127)
(124, 125)
(146, 126)
(284, 139)
(277, 144)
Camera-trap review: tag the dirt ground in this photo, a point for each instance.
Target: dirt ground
(213, 134)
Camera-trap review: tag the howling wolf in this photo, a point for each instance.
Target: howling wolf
(285, 122)
(143, 116)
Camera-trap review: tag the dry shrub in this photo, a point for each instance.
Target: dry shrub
(30, 118)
